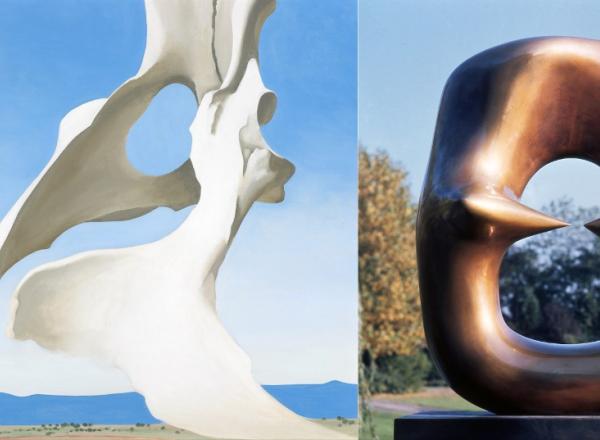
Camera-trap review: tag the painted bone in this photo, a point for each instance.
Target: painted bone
(150, 310)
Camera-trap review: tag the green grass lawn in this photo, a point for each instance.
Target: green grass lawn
(384, 426)
(441, 398)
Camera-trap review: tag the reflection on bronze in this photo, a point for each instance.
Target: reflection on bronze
(505, 113)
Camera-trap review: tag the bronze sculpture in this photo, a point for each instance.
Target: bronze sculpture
(505, 113)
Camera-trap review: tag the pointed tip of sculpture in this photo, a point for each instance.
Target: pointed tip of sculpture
(593, 226)
(545, 222)
(517, 218)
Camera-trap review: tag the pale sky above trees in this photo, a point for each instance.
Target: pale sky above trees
(407, 50)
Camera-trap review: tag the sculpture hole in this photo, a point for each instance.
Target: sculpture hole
(160, 140)
(550, 283)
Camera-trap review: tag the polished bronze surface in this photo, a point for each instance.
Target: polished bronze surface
(505, 113)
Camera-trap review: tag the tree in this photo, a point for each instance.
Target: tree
(550, 284)
(391, 330)
(389, 292)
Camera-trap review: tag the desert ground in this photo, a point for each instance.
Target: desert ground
(68, 431)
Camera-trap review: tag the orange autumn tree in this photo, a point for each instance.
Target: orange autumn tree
(389, 291)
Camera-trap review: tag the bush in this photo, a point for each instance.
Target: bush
(400, 373)
(434, 377)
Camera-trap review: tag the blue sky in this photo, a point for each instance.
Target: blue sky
(294, 309)
(407, 50)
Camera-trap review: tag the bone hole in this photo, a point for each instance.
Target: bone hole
(266, 107)
(160, 140)
(544, 316)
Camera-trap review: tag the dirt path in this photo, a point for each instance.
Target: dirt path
(399, 407)
(427, 400)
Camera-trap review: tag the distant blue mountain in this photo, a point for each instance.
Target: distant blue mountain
(327, 400)
(114, 409)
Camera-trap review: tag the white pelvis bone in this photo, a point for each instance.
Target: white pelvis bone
(150, 310)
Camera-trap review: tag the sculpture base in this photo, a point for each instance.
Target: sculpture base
(441, 425)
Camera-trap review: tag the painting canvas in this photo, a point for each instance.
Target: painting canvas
(139, 139)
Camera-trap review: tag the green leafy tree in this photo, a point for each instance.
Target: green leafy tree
(550, 283)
